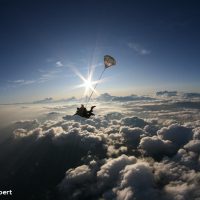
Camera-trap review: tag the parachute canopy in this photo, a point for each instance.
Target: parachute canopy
(109, 61)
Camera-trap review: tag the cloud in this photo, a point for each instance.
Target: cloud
(59, 64)
(104, 97)
(21, 82)
(48, 75)
(138, 49)
(109, 172)
(193, 145)
(133, 122)
(176, 133)
(196, 132)
(113, 116)
(166, 93)
(132, 98)
(179, 181)
(17, 81)
(151, 129)
(137, 182)
(45, 100)
(128, 153)
(25, 124)
(132, 136)
(173, 106)
(157, 148)
(191, 95)
(188, 159)
(79, 175)
(108, 97)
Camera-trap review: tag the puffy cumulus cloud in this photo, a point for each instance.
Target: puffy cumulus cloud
(79, 183)
(88, 128)
(133, 122)
(54, 132)
(25, 124)
(90, 181)
(196, 132)
(151, 129)
(193, 145)
(109, 172)
(188, 158)
(77, 176)
(23, 133)
(48, 150)
(112, 129)
(98, 122)
(20, 132)
(192, 124)
(76, 137)
(131, 136)
(113, 151)
(157, 148)
(177, 181)
(169, 122)
(176, 133)
(168, 171)
(181, 191)
(137, 182)
(113, 116)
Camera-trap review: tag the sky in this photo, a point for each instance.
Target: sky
(155, 43)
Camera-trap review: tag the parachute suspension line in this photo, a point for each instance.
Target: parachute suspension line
(95, 86)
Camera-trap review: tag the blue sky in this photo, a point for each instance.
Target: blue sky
(156, 45)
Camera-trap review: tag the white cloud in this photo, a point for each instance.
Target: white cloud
(179, 181)
(109, 172)
(17, 81)
(21, 82)
(176, 133)
(80, 174)
(133, 122)
(137, 182)
(59, 64)
(157, 148)
(193, 145)
(25, 124)
(138, 48)
(131, 136)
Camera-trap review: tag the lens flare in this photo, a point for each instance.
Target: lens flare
(88, 83)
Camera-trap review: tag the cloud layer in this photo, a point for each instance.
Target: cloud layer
(139, 153)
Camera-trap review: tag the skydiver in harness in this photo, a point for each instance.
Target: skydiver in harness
(83, 112)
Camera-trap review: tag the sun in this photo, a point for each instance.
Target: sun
(89, 85)
(87, 82)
